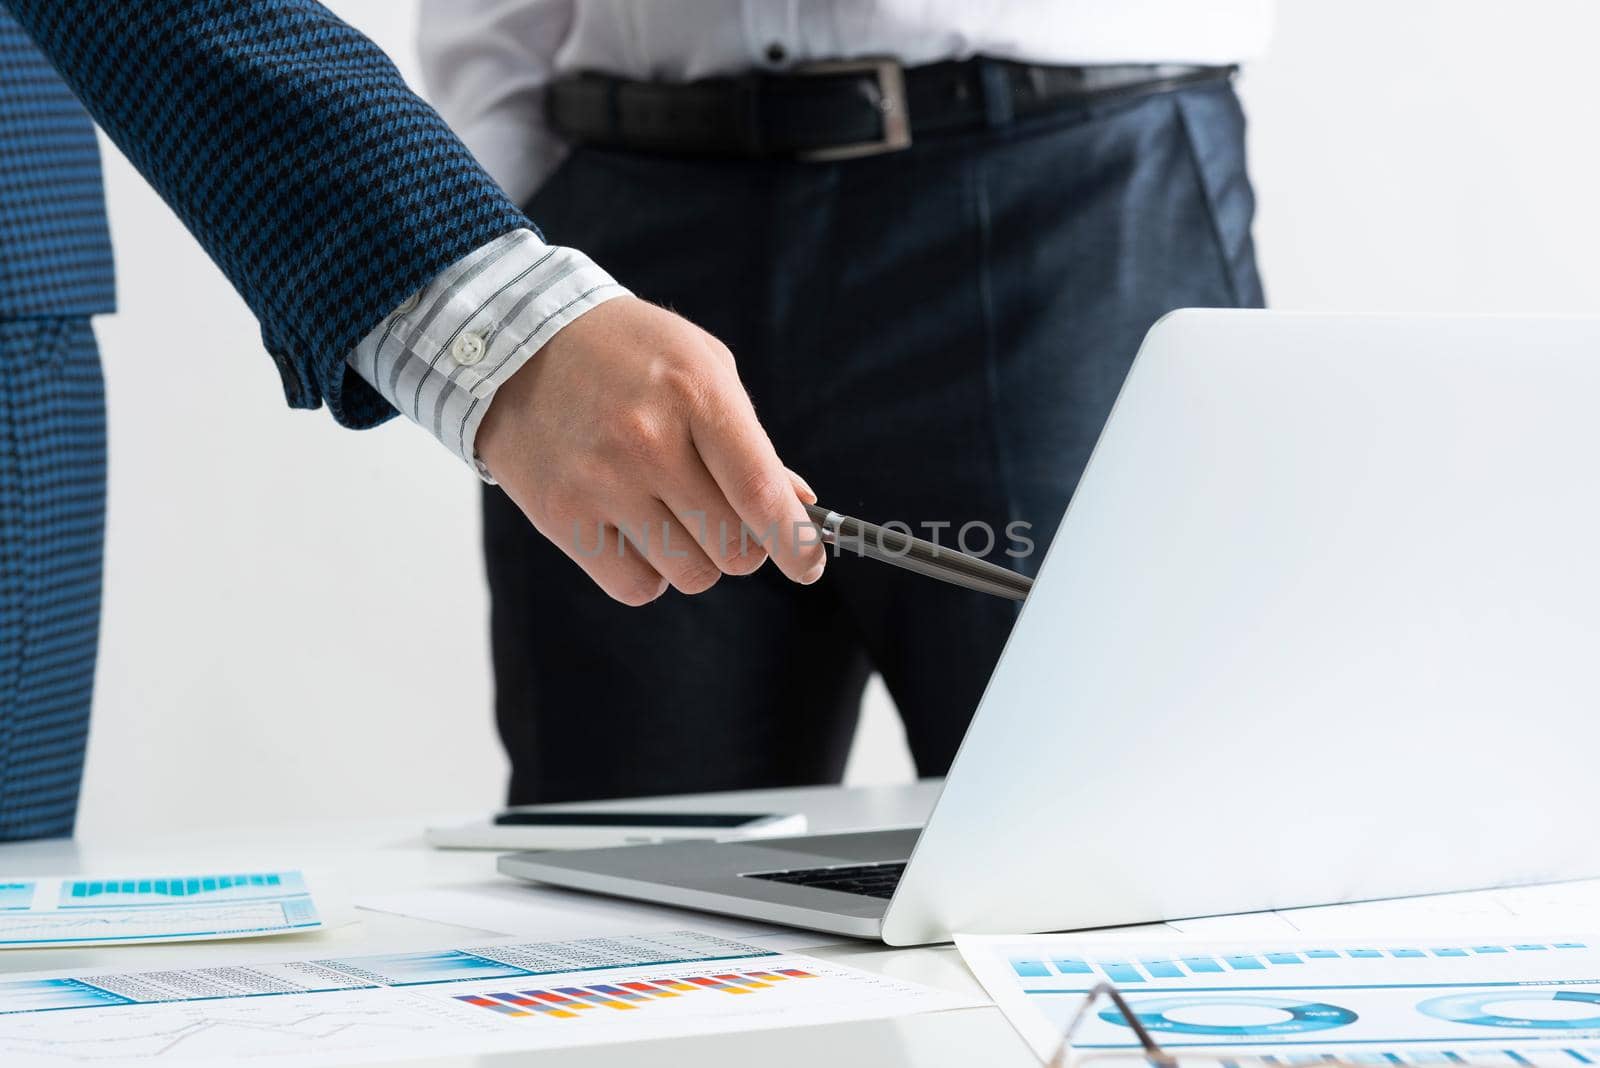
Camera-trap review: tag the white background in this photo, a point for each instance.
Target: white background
(295, 617)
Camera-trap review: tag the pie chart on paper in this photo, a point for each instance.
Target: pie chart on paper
(1525, 1009)
(1234, 1015)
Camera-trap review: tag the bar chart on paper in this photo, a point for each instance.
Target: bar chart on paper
(1125, 969)
(70, 910)
(1435, 1001)
(627, 995)
(479, 999)
(159, 891)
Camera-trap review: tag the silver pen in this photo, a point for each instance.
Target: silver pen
(914, 554)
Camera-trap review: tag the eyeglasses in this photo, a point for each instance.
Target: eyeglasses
(1151, 1054)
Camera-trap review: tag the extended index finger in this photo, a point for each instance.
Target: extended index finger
(740, 457)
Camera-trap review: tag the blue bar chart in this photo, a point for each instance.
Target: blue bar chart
(162, 891)
(73, 910)
(1147, 969)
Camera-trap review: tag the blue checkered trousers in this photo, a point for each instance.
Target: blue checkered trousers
(319, 184)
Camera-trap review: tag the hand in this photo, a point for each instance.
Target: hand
(632, 421)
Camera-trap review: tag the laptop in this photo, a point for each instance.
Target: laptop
(1321, 624)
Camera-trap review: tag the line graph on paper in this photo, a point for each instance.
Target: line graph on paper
(282, 1026)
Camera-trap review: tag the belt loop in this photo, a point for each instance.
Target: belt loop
(750, 130)
(998, 104)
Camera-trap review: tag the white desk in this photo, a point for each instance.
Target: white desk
(374, 858)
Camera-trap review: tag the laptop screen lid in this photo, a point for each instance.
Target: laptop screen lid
(1322, 623)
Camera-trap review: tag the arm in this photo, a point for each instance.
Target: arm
(329, 194)
(289, 145)
(486, 63)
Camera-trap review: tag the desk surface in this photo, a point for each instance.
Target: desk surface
(367, 859)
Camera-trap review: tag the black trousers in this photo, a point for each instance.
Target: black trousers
(931, 337)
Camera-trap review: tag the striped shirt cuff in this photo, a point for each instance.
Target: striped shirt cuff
(442, 354)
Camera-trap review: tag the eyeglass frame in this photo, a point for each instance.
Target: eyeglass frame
(1152, 1048)
(1153, 1053)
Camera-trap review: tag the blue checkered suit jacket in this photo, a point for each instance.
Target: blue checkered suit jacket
(327, 193)
(55, 254)
(290, 146)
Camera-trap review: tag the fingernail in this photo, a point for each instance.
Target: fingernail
(803, 486)
(815, 573)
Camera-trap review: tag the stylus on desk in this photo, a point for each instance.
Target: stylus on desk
(924, 557)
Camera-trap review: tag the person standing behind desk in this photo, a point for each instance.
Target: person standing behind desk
(388, 271)
(933, 332)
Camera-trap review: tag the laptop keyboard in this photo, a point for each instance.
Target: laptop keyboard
(869, 880)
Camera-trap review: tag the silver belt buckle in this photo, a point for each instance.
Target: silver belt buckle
(891, 79)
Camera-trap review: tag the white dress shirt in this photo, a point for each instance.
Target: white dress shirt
(440, 357)
(485, 62)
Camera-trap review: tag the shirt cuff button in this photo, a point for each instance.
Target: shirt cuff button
(467, 349)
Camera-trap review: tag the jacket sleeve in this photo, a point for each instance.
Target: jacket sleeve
(485, 64)
(289, 145)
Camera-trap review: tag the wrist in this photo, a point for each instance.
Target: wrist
(495, 433)
(442, 357)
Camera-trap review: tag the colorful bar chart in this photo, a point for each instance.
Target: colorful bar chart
(571, 1002)
(1148, 969)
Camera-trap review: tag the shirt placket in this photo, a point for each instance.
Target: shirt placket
(771, 32)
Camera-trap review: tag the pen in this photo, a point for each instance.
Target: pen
(913, 554)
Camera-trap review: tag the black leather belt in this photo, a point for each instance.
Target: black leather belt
(838, 109)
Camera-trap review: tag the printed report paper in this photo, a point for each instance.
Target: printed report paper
(72, 910)
(1429, 1000)
(483, 999)
(548, 914)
